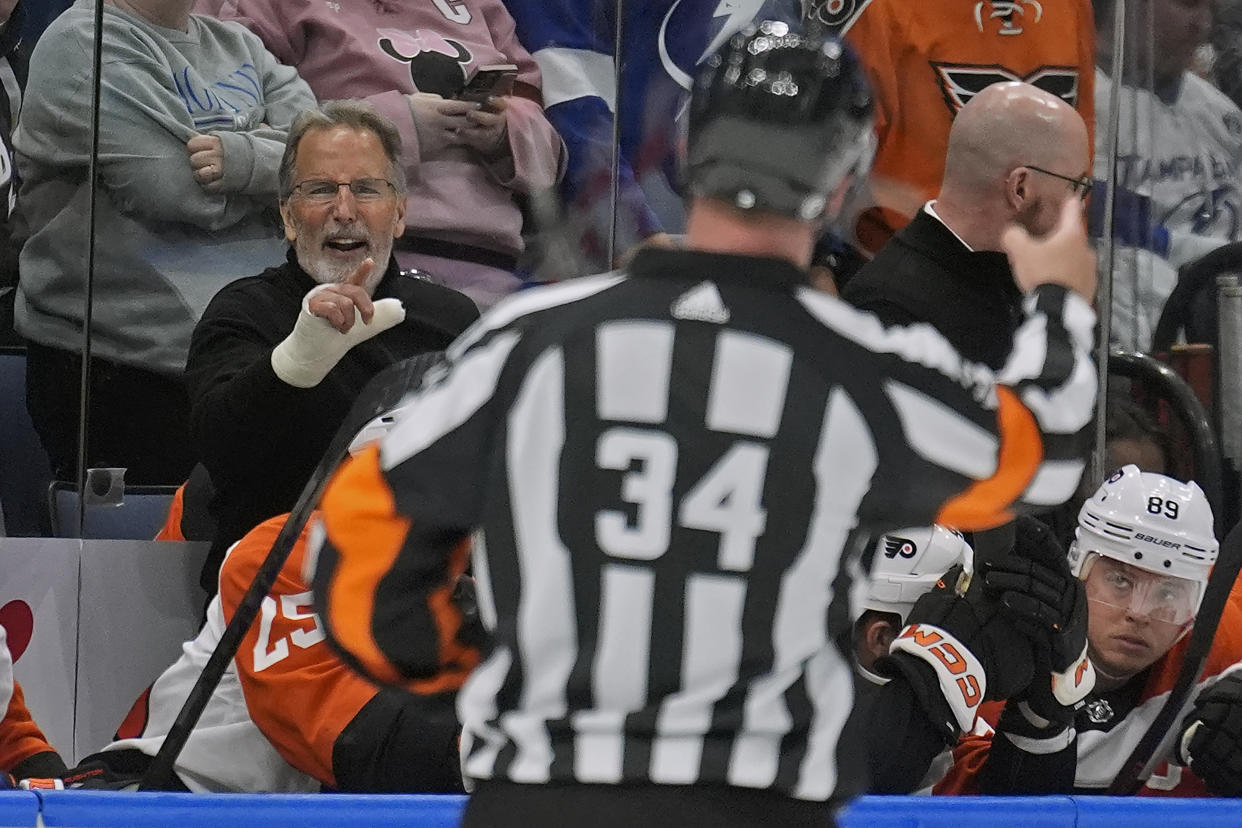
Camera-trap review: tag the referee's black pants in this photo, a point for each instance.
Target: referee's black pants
(502, 804)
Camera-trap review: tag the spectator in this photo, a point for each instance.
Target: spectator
(574, 41)
(278, 358)
(13, 65)
(24, 750)
(288, 715)
(1177, 182)
(193, 116)
(1014, 152)
(926, 61)
(658, 454)
(466, 162)
(1145, 570)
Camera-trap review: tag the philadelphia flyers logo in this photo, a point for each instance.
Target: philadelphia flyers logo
(837, 15)
(894, 546)
(959, 82)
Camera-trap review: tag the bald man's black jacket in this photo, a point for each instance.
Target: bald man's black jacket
(925, 274)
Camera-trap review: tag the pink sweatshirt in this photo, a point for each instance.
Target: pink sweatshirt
(383, 49)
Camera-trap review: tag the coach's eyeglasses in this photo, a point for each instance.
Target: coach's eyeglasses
(322, 191)
(1082, 186)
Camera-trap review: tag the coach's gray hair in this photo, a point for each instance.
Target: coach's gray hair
(356, 114)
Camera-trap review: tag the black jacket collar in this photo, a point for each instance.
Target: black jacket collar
(932, 238)
(759, 271)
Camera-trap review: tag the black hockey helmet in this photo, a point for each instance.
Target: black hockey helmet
(778, 119)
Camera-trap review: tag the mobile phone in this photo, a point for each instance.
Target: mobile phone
(488, 81)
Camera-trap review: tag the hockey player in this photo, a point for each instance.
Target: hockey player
(673, 468)
(906, 565)
(1144, 549)
(24, 750)
(288, 716)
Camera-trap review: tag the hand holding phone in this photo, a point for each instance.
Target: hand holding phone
(493, 81)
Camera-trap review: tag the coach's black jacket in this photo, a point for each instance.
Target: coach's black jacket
(259, 437)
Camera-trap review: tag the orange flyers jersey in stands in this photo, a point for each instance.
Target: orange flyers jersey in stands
(272, 721)
(1107, 735)
(925, 60)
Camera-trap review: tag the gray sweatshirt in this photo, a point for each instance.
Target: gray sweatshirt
(163, 245)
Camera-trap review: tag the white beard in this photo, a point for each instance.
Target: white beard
(327, 272)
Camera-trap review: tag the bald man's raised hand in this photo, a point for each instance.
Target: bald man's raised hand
(1062, 257)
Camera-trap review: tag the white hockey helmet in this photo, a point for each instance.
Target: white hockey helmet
(908, 563)
(1149, 521)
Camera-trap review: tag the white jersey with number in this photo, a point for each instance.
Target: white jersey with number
(226, 751)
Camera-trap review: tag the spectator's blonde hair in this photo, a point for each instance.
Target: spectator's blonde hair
(355, 114)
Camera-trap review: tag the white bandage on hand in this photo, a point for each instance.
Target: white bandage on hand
(306, 356)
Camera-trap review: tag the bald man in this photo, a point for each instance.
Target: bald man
(1015, 153)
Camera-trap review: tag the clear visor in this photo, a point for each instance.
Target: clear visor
(1163, 598)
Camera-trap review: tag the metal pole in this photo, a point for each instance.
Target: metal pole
(1229, 307)
(614, 192)
(1104, 296)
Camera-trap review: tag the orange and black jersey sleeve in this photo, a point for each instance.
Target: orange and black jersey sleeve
(24, 750)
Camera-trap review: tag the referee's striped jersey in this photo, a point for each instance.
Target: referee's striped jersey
(671, 470)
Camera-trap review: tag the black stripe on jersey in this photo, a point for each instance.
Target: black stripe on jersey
(581, 482)
(789, 500)
(403, 625)
(1059, 360)
(690, 550)
(325, 568)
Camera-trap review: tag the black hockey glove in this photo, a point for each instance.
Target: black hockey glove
(956, 650)
(1049, 605)
(1211, 742)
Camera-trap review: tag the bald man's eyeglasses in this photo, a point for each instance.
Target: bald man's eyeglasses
(1082, 186)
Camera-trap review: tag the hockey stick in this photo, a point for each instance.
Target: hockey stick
(1152, 748)
(381, 394)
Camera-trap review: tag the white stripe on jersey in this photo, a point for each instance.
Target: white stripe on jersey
(749, 378)
(923, 345)
(569, 74)
(941, 435)
(476, 706)
(533, 300)
(546, 626)
(438, 409)
(1051, 481)
(711, 657)
(917, 344)
(1055, 411)
(619, 672)
(806, 591)
(830, 683)
(635, 363)
(845, 442)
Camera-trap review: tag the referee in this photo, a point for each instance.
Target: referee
(675, 471)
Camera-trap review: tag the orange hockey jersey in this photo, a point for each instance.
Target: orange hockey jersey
(285, 689)
(1101, 753)
(926, 60)
(20, 737)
